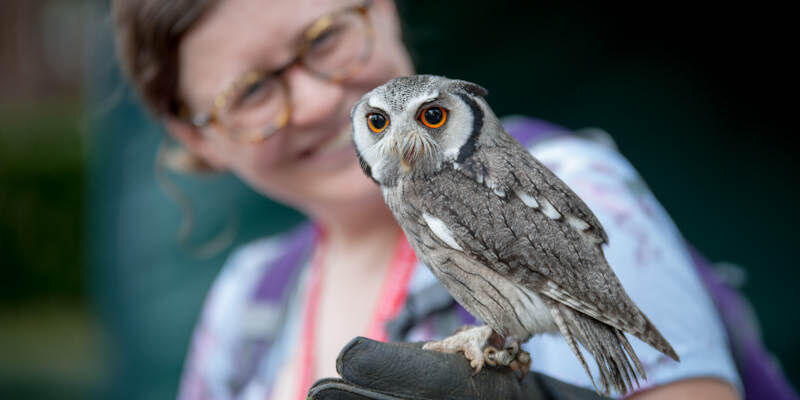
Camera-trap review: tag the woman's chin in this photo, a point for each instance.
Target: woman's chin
(348, 185)
(326, 183)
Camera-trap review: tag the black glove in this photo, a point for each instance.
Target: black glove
(394, 371)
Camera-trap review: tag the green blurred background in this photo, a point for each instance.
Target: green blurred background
(98, 300)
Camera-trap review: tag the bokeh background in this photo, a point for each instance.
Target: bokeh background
(98, 300)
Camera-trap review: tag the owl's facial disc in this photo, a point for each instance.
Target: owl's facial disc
(408, 139)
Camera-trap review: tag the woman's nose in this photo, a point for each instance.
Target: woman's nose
(311, 97)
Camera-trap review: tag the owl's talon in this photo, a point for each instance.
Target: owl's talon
(469, 341)
(498, 357)
(512, 347)
(489, 354)
(477, 365)
(521, 363)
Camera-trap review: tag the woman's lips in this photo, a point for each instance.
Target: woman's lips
(332, 148)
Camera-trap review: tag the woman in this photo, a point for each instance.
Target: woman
(263, 88)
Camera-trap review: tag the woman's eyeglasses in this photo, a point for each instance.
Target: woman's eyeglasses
(334, 47)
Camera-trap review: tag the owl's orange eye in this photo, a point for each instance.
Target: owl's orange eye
(377, 122)
(433, 116)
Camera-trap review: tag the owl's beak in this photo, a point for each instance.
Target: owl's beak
(409, 149)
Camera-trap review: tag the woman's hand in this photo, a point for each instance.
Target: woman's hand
(393, 371)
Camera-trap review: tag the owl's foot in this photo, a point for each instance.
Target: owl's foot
(511, 356)
(468, 340)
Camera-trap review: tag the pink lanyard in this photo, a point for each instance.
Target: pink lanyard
(391, 299)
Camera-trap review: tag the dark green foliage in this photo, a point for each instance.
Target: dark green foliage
(41, 202)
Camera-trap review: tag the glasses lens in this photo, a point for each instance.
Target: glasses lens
(340, 47)
(254, 109)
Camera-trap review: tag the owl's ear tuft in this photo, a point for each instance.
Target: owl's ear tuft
(471, 88)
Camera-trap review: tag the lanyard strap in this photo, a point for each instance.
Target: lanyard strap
(394, 291)
(309, 326)
(391, 299)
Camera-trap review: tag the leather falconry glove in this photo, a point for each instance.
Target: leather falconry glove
(394, 371)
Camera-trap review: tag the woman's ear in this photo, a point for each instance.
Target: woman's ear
(195, 142)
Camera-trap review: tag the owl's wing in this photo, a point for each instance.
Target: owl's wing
(531, 242)
(508, 167)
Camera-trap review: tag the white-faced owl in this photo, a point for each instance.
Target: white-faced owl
(511, 242)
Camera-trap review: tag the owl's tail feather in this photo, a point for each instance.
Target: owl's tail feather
(618, 365)
(652, 336)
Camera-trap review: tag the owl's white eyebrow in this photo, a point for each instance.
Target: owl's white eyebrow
(424, 99)
(377, 103)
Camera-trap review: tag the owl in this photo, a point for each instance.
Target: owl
(511, 242)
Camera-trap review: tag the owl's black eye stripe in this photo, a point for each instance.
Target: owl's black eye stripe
(477, 124)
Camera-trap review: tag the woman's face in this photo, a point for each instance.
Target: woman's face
(310, 162)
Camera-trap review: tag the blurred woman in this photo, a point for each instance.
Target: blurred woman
(263, 89)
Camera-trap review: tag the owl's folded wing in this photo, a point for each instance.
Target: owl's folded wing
(507, 167)
(534, 245)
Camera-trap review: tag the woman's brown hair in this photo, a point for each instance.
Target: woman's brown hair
(148, 35)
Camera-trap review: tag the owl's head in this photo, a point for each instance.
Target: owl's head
(415, 124)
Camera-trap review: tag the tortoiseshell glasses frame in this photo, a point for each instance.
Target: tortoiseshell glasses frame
(256, 105)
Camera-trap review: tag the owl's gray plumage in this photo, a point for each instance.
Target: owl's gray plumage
(508, 239)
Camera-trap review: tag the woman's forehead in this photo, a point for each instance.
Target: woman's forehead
(238, 35)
